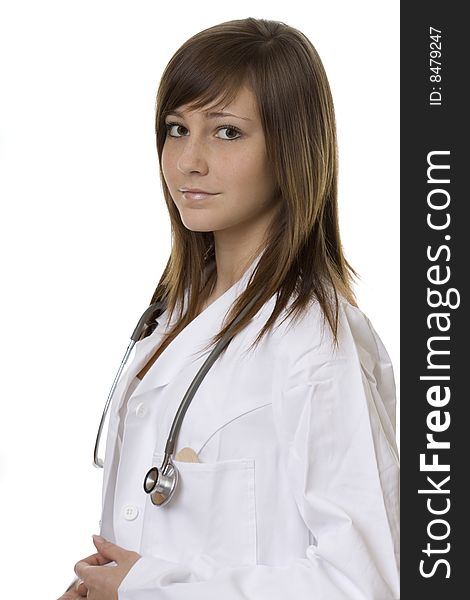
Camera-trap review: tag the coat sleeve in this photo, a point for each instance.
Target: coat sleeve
(340, 456)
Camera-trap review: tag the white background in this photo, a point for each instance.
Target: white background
(85, 232)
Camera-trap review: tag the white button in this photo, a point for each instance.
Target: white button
(130, 512)
(140, 409)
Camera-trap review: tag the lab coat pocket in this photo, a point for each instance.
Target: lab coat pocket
(212, 513)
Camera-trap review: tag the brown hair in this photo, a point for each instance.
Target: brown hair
(302, 253)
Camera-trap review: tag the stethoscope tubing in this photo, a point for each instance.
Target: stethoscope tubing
(196, 382)
(148, 315)
(161, 483)
(98, 462)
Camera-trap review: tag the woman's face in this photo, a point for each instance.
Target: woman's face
(224, 155)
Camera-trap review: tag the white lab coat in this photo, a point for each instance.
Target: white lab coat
(296, 494)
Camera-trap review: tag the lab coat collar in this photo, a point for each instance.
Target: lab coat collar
(196, 335)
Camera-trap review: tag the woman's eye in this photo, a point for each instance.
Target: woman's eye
(230, 128)
(169, 127)
(233, 130)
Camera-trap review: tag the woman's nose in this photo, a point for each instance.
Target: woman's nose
(193, 157)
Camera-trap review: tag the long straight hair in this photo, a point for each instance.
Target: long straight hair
(302, 256)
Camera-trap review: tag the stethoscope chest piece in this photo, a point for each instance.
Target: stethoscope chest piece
(161, 483)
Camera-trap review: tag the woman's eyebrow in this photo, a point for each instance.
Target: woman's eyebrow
(210, 115)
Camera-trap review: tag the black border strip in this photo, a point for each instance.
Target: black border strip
(434, 280)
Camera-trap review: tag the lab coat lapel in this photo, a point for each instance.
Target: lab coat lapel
(141, 353)
(188, 346)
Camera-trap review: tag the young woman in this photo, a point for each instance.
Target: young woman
(287, 460)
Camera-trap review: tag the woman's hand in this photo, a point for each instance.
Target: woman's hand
(78, 589)
(100, 582)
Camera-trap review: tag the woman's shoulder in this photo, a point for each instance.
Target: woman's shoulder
(305, 354)
(310, 338)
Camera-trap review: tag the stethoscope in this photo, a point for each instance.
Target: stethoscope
(161, 483)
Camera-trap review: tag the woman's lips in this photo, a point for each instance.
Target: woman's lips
(197, 195)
